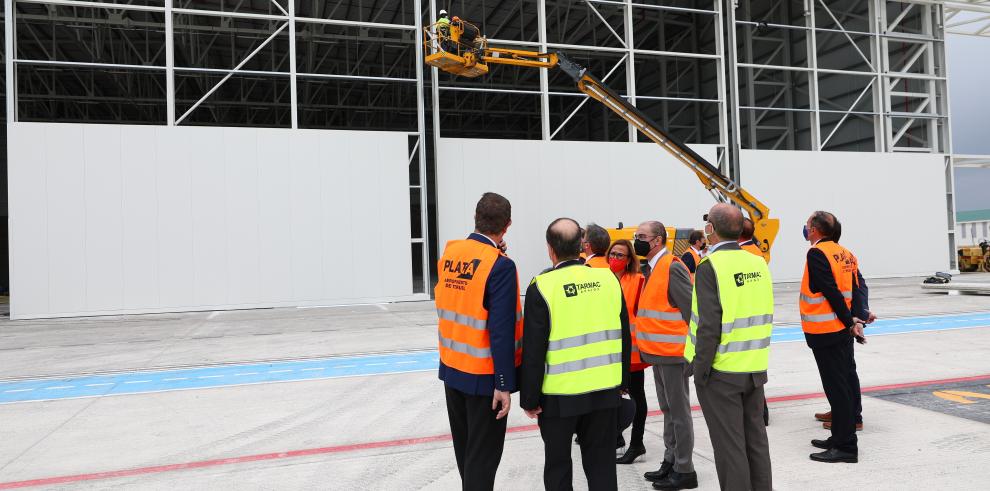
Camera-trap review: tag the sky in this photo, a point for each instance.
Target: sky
(969, 106)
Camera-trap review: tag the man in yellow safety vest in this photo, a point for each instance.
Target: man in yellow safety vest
(729, 344)
(575, 360)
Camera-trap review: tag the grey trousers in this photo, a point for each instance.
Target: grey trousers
(734, 414)
(674, 395)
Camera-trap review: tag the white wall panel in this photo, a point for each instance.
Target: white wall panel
(887, 203)
(395, 175)
(275, 231)
(66, 202)
(338, 170)
(306, 217)
(242, 213)
(207, 166)
(176, 273)
(28, 220)
(104, 218)
(589, 181)
(118, 219)
(611, 182)
(140, 218)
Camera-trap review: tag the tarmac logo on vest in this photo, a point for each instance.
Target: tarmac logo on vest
(743, 278)
(573, 289)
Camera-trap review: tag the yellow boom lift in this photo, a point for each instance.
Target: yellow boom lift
(468, 55)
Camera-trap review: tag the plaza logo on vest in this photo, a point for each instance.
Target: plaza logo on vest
(847, 261)
(465, 269)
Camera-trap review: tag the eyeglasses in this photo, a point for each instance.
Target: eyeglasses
(645, 237)
(618, 255)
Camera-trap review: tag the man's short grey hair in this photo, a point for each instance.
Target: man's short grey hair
(825, 222)
(598, 239)
(657, 229)
(727, 221)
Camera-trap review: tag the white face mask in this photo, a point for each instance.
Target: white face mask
(708, 235)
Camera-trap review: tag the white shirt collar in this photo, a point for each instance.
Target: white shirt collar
(589, 257)
(653, 262)
(489, 239)
(720, 244)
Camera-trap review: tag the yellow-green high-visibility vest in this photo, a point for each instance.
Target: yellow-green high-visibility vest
(585, 350)
(746, 293)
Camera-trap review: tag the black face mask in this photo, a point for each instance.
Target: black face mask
(642, 247)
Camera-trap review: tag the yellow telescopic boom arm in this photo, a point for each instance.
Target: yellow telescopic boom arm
(472, 62)
(723, 188)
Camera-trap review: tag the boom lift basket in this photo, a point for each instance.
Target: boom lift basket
(446, 51)
(458, 65)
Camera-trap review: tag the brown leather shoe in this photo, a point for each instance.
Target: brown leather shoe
(828, 426)
(824, 416)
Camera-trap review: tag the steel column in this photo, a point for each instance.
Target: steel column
(293, 89)
(169, 64)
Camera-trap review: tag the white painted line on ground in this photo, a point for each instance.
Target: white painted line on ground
(137, 381)
(57, 387)
(245, 374)
(375, 364)
(174, 379)
(210, 376)
(311, 369)
(16, 390)
(405, 362)
(279, 371)
(101, 384)
(345, 366)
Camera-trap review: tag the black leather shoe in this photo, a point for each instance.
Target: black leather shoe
(834, 455)
(620, 442)
(661, 473)
(676, 480)
(632, 453)
(822, 444)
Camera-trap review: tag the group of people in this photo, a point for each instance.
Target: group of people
(594, 324)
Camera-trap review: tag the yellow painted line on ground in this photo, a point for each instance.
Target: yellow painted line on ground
(960, 396)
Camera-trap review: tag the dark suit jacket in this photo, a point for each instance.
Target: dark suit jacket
(861, 298)
(709, 333)
(688, 259)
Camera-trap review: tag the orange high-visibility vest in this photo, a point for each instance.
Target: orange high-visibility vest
(753, 248)
(463, 272)
(597, 262)
(660, 328)
(696, 256)
(632, 288)
(817, 316)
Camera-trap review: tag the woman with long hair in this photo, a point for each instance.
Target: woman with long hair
(625, 264)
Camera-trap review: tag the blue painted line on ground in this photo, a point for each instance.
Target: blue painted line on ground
(338, 367)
